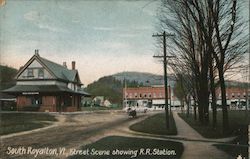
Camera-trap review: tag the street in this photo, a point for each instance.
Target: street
(72, 131)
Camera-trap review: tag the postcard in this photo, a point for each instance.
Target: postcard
(125, 79)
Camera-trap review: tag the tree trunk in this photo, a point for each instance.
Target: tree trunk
(195, 111)
(225, 122)
(204, 98)
(188, 105)
(213, 103)
(182, 106)
(212, 90)
(200, 109)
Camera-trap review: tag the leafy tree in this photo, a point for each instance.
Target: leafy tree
(7, 75)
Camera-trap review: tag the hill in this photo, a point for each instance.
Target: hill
(7, 75)
(147, 79)
(240, 84)
(110, 87)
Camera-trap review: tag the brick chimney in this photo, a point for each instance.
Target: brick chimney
(37, 52)
(64, 64)
(73, 65)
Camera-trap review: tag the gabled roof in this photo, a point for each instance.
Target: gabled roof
(57, 70)
(60, 71)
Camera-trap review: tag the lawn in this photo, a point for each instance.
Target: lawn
(238, 120)
(156, 125)
(17, 122)
(117, 147)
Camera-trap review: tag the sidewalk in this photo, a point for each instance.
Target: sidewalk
(184, 130)
(196, 150)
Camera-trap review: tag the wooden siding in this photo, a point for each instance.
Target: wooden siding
(22, 101)
(50, 104)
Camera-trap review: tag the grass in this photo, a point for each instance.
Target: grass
(238, 121)
(234, 150)
(133, 146)
(156, 125)
(238, 126)
(17, 122)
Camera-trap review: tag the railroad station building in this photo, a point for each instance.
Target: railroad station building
(45, 86)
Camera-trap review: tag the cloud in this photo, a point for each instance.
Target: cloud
(149, 27)
(41, 21)
(50, 28)
(114, 45)
(32, 16)
(127, 35)
(104, 28)
(75, 21)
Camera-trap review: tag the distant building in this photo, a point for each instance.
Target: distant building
(107, 103)
(236, 96)
(154, 96)
(42, 85)
(148, 97)
(87, 101)
(98, 100)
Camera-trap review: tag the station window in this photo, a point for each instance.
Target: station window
(35, 100)
(40, 73)
(30, 72)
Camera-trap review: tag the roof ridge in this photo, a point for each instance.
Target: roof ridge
(53, 62)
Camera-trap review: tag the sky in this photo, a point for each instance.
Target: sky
(103, 36)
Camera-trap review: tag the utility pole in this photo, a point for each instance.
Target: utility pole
(170, 95)
(165, 72)
(125, 94)
(248, 81)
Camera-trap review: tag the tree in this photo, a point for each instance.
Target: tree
(223, 37)
(183, 90)
(7, 75)
(228, 44)
(208, 37)
(189, 49)
(179, 91)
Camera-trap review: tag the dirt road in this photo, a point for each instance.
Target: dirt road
(72, 131)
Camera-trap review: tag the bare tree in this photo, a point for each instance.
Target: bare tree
(228, 43)
(208, 36)
(189, 48)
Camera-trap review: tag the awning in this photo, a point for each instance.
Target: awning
(32, 89)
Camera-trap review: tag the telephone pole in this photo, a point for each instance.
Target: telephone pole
(165, 72)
